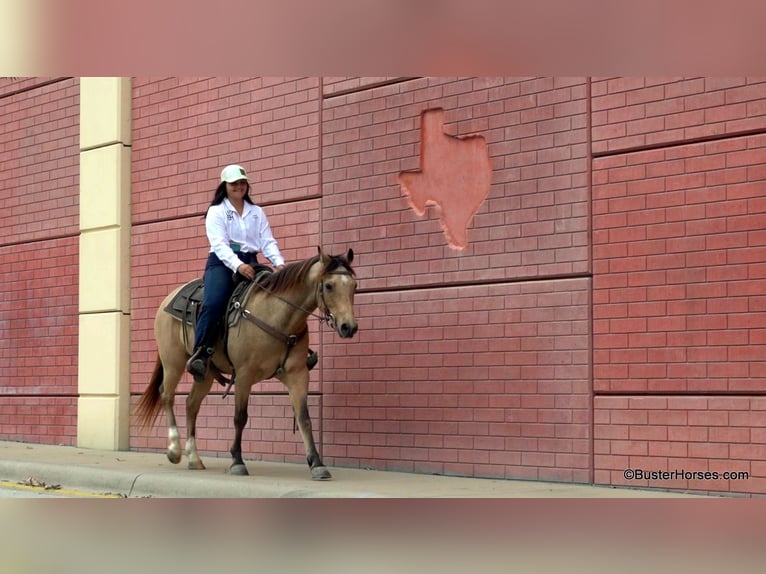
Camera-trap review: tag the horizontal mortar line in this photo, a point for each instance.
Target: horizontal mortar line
(110, 312)
(202, 213)
(368, 87)
(36, 86)
(479, 283)
(679, 394)
(39, 240)
(5, 395)
(104, 145)
(679, 143)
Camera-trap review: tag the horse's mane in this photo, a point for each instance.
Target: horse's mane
(294, 274)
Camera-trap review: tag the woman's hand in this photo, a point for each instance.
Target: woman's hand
(246, 271)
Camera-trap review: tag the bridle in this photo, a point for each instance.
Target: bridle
(328, 317)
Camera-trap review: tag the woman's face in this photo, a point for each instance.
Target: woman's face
(237, 190)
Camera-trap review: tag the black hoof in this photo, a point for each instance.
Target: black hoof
(239, 470)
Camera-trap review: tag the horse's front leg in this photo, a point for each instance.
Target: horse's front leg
(193, 402)
(297, 385)
(241, 399)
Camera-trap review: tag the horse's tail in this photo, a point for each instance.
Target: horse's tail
(148, 407)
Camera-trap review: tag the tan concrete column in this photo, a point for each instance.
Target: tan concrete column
(104, 342)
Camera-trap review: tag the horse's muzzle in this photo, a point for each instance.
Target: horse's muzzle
(347, 330)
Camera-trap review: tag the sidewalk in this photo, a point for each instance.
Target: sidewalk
(138, 474)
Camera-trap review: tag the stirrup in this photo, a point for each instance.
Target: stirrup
(198, 363)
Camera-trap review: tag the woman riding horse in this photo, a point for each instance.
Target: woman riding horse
(271, 340)
(237, 230)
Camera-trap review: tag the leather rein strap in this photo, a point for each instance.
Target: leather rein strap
(289, 340)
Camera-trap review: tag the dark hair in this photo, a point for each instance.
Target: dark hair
(220, 195)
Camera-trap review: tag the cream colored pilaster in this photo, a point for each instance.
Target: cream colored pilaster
(104, 344)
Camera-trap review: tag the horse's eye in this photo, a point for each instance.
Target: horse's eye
(328, 286)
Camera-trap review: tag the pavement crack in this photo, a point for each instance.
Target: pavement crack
(133, 484)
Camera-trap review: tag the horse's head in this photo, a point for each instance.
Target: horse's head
(335, 292)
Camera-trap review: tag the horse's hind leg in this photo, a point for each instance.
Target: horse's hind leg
(172, 376)
(298, 390)
(193, 402)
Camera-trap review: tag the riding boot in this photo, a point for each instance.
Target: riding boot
(198, 363)
(312, 359)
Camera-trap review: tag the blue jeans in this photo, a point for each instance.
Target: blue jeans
(219, 285)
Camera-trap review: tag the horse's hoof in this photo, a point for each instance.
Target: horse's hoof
(320, 473)
(239, 470)
(196, 465)
(174, 457)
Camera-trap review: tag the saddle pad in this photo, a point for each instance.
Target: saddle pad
(187, 302)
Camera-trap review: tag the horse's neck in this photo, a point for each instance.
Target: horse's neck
(292, 310)
(305, 296)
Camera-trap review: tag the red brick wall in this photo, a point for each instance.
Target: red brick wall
(479, 380)
(678, 279)
(689, 433)
(39, 177)
(484, 380)
(186, 129)
(679, 252)
(534, 222)
(636, 112)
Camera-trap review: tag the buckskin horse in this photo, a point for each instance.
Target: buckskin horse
(270, 339)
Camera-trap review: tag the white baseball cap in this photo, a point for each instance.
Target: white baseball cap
(232, 173)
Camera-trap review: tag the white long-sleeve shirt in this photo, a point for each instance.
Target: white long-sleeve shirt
(226, 228)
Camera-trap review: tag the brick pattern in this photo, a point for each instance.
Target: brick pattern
(690, 434)
(39, 317)
(679, 285)
(186, 129)
(9, 86)
(636, 112)
(535, 219)
(40, 419)
(480, 381)
(39, 209)
(40, 169)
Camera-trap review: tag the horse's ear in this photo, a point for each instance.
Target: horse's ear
(323, 257)
(350, 256)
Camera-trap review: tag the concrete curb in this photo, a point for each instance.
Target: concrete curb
(137, 474)
(175, 484)
(101, 480)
